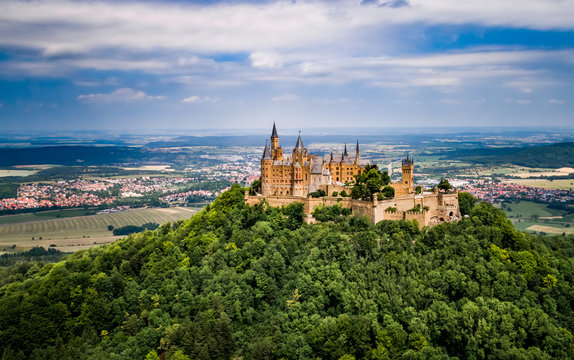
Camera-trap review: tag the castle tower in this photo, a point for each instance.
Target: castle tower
(299, 153)
(276, 150)
(274, 138)
(266, 171)
(408, 171)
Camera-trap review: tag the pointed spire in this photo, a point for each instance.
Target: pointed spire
(266, 152)
(274, 132)
(357, 146)
(345, 153)
(408, 160)
(299, 144)
(331, 157)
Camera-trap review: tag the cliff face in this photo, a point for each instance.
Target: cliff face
(253, 282)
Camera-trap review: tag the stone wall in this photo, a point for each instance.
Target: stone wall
(441, 207)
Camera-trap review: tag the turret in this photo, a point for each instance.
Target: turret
(266, 170)
(357, 153)
(300, 153)
(274, 138)
(408, 171)
(276, 150)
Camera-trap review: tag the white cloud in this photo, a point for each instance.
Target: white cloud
(449, 101)
(519, 101)
(198, 100)
(331, 101)
(265, 60)
(556, 102)
(286, 97)
(119, 95)
(73, 27)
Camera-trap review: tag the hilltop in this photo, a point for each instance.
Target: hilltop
(254, 282)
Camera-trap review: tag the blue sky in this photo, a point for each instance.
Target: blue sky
(124, 65)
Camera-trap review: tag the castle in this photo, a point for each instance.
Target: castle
(286, 179)
(303, 173)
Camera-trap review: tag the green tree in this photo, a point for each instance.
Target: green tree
(466, 202)
(444, 185)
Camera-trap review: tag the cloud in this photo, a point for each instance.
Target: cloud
(556, 102)
(265, 60)
(119, 95)
(390, 4)
(519, 101)
(62, 27)
(449, 101)
(198, 100)
(285, 97)
(331, 101)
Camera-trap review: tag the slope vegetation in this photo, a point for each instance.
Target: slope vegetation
(255, 283)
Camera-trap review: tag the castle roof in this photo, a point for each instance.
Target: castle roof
(317, 166)
(274, 132)
(408, 161)
(299, 144)
(266, 153)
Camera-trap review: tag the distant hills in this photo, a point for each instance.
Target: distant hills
(547, 156)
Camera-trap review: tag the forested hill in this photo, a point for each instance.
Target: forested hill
(254, 283)
(553, 156)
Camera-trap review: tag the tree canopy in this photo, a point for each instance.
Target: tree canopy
(255, 282)
(369, 182)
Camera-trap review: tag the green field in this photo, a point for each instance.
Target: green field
(536, 217)
(80, 232)
(45, 215)
(11, 172)
(563, 184)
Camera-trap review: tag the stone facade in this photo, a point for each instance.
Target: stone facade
(302, 173)
(285, 180)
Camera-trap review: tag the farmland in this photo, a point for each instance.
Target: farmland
(536, 217)
(562, 184)
(75, 233)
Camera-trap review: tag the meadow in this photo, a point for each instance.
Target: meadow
(536, 217)
(562, 184)
(81, 232)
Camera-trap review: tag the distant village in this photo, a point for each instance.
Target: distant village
(173, 190)
(495, 191)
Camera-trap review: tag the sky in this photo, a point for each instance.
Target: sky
(184, 65)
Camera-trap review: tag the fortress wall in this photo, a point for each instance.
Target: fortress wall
(450, 199)
(330, 188)
(404, 203)
(387, 215)
(362, 208)
(376, 210)
(422, 217)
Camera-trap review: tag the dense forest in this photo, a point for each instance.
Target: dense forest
(257, 283)
(547, 156)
